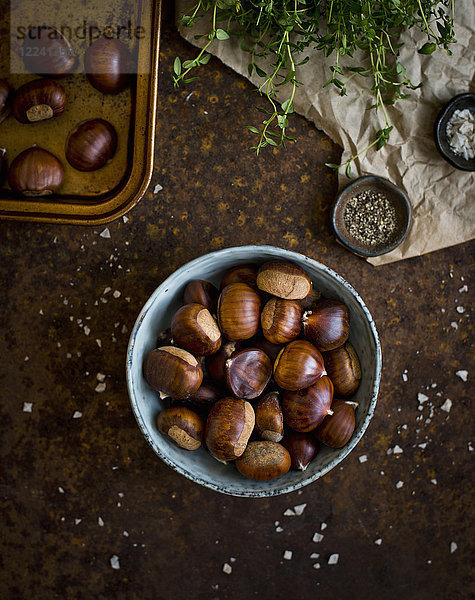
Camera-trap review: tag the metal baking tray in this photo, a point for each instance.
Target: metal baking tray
(104, 195)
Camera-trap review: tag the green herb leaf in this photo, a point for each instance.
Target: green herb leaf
(177, 66)
(428, 48)
(221, 34)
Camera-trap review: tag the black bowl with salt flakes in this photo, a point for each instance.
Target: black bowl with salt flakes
(371, 216)
(454, 132)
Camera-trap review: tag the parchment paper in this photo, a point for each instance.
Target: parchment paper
(442, 197)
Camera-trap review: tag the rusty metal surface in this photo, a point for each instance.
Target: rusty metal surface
(79, 484)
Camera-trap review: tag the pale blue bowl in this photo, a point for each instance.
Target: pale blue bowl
(199, 465)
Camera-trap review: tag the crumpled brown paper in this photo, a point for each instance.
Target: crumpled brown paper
(442, 197)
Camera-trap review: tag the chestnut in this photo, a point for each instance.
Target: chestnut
(182, 425)
(269, 419)
(298, 366)
(228, 428)
(91, 145)
(281, 320)
(336, 429)
(327, 324)
(264, 461)
(239, 307)
(302, 448)
(194, 329)
(247, 372)
(172, 372)
(343, 368)
(202, 292)
(215, 363)
(5, 100)
(108, 65)
(35, 172)
(46, 51)
(240, 274)
(205, 396)
(305, 409)
(39, 100)
(284, 279)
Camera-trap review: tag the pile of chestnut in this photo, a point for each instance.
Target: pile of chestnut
(91, 143)
(260, 372)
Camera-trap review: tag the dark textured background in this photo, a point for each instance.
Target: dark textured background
(76, 491)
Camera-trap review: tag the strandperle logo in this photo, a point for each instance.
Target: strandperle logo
(84, 31)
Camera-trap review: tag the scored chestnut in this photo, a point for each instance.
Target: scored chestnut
(228, 428)
(46, 51)
(182, 425)
(264, 461)
(202, 292)
(239, 307)
(284, 279)
(91, 145)
(336, 429)
(39, 100)
(327, 324)
(247, 372)
(302, 447)
(281, 320)
(173, 372)
(215, 362)
(298, 365)
(5, 100)
(35, 172)
(305, 409)
(269, 418)
(240, 274)
(343, 368)
(194, 329)
(108, 65)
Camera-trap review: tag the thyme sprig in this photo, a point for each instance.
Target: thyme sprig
(283, 29)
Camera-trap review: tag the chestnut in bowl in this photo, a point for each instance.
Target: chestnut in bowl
(199, 466)
(39, 100)
(108, 65)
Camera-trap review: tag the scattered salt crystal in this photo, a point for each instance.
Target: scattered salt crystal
(87, 330)
(423, 445)
(99, 343)
(157, 188)
(399, 484)
(124, 329)
(100, 376)
(323, 526)
(314, 555)
(276, 523)
(363, 458)
(317, 537)
(279, 529)
(421, 398)
(447, 405)
(333, 559)
(434, 481)
(404, 377)
(287, 554)
(453, 547)
(469, 446)
(41, 311)
(460, 309)
(397, 449)
(454, 325)
(125, 219)
(100, 387)
(77, 414)
(77, 521)
(227, 569)
(462, 374)
(60, 490)
(106, 290)
(299, 509)
(27, 406)
(100, 522)
(463, 289)
(232, 559)
(126, 533)
(316, 566)
(106, 233)
(116, 294)
(115, 564)
(289, 513)
(378, 542)
(189, 96)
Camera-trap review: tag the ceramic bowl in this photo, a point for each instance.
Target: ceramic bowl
(396, 197)
(459, 102)
(199, 465)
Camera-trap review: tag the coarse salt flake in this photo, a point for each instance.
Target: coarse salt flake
(447, 405)
(289, 513)
(434, 481)
(105, 233)
(460, 309)
(114, 560)
(333, 559)
(404, 377)
(454, 325)
(116, 294)
(106, 290)
(399, 484)
(453, 547)
(363, 458)
(157, 188)
(463, 289)
(323, 526)
(378, 542)
(100, 522)
(287, 554)
(299, 509)
(100, 376)
(317, 537)
(279, 529)
(314, 555)
(125, 219)
(397, 449)
(227, 568)
(100, 387)
(60, 490)
(77, 521)
(126, 533)
(316, 566)
(77, 414)
(99, 343)
(421, 398)
(87, 330)
(462, 374)
(27, 406)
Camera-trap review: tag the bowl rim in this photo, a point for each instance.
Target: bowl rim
(286, 255)
(443, 115)
(357, 249)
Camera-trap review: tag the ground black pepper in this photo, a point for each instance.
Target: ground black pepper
(370, 218)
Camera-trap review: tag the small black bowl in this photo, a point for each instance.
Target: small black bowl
(459, 102)
(396, 197)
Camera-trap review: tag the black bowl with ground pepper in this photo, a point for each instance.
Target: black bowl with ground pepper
(371, 216)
